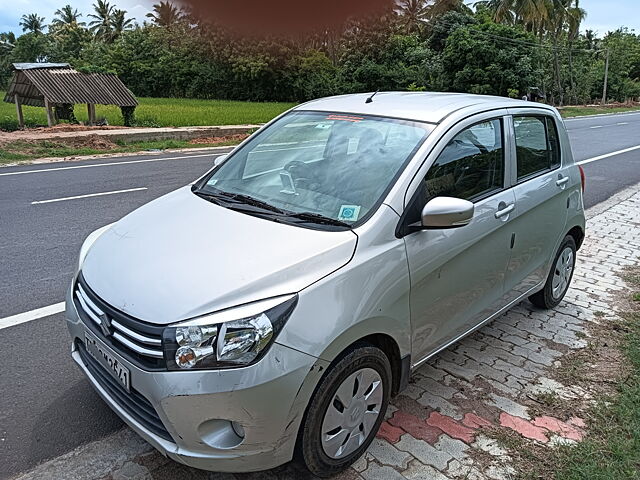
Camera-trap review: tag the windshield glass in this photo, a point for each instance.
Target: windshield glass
(318, 166)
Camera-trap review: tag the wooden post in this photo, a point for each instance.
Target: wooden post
(47, 107)
(19, 110)
(91, 110)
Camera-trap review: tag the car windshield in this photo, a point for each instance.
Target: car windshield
(316, 168)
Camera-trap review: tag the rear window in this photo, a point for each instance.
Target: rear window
(537, 145)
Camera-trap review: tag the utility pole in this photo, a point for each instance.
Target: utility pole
(606, 78)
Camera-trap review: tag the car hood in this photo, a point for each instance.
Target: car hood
(181, 256)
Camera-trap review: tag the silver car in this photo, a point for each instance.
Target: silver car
(270, 309)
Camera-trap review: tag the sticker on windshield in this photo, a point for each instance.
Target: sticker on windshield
(345, 118)
(349, 213)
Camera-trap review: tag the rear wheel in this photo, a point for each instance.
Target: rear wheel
(346, 411)
(559, 277)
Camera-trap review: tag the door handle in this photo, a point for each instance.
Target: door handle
(562, 181)
(504, 210)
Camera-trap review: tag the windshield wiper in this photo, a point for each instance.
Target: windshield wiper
(318, 218)
(238, 198)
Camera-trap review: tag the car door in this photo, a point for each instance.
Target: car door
(457, 275)
(540, 182)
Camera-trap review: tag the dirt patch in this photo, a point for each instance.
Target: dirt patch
(30, 146)
(218, 140)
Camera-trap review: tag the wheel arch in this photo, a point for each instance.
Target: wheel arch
(577, 232)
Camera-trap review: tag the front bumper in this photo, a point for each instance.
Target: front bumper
(268, 399)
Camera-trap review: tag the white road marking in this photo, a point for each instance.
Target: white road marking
(89, 195)
(607, 155)
(32, 315)
(622, 123)
(597, 126)
(110, 164)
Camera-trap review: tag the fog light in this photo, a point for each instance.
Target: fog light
(238, 429)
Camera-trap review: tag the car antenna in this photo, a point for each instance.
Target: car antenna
(370, 99)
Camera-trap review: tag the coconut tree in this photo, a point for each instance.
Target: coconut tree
(120, 23)
(101, 25)
(165, 14)
(502, 9)
(413, 13)
(67, 15)
(32, 23)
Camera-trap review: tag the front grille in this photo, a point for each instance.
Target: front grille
(131, 402)
(137, 341)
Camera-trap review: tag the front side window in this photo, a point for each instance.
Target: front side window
(471, 166)
(537, 146)
(329, 167)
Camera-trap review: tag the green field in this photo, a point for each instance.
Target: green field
(569, 112)
(161, 112)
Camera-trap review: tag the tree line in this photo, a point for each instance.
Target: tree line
(499, 47)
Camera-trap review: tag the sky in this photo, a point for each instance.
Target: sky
(12, 10)
(602, 15)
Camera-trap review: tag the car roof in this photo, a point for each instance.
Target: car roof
(432, 107)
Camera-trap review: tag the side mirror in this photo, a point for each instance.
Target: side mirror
(220, 160)
(447, 212)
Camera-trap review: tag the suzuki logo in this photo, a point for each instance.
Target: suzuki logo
(105, 325)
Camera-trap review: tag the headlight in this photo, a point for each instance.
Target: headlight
(231, 338)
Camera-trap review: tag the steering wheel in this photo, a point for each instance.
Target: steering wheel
(300, 173)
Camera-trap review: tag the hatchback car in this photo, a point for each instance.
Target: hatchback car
(271, 308)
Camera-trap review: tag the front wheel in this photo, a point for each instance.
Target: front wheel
(559, 277)
(346, 411)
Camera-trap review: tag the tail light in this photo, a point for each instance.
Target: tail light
(583, 179)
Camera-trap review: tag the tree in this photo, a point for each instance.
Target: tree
(120, 23)
(490, 59)
(101, 25)
(165, 14)
(413, 14)
(32, 23)
(31, 47)
(67, 16)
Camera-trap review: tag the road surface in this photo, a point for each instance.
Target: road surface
(47, 408)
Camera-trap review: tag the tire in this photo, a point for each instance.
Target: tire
(364, 370)
(559, 277)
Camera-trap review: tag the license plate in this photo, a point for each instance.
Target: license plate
(98, 350)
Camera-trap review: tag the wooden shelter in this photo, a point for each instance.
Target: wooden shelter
(54, 84)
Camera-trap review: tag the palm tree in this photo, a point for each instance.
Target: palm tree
(165, 14)
(502, 9)
(120, 23)
(413, 14)
(101, 25)
(32, 23)
(67, 16)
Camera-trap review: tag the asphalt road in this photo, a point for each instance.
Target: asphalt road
(46, 407)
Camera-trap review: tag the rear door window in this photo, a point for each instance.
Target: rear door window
(537, 145)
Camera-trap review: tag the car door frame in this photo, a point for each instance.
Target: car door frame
(427, 162)
(563, 169)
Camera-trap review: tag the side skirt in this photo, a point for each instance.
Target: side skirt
(481, 324)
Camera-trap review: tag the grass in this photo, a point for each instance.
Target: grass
(22, 151)
(161, 112)
(612, 448)
(568, 112)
